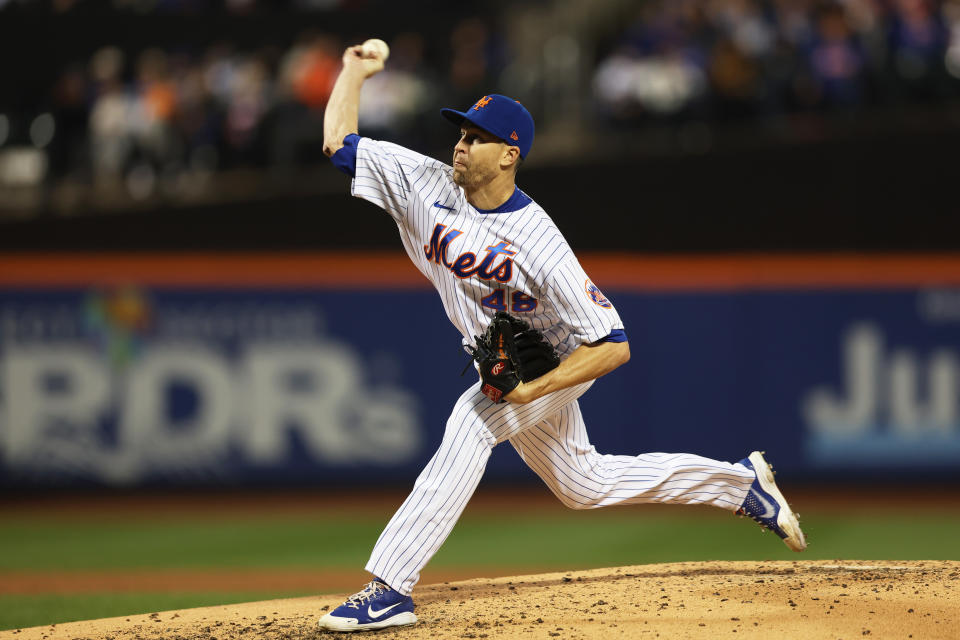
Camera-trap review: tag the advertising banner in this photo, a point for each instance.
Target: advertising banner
(157, 379)
(830, 383)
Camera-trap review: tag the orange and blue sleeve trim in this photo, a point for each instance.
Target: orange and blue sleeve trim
(617, 335)
(345, 158)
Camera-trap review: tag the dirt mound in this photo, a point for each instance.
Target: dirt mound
(802, 599)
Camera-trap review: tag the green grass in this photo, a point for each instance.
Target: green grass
(547, 540)
(186, 543)
(627, 537)
(577, 539)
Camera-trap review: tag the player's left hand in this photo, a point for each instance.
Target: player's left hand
(492, 353)
(510, 354)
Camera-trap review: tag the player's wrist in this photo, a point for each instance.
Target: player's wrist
(527, 392)
(541, 386)
(519, 395)
(354, 74)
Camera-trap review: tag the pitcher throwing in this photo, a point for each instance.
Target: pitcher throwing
(488, 247)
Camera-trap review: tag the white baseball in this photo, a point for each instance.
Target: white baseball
(375, 47)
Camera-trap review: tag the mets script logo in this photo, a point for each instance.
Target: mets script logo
(496, 265)
(595, 295)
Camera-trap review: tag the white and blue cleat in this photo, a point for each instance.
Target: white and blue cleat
(376, 607)
(767, 506)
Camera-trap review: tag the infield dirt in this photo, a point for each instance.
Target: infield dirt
(800, 599)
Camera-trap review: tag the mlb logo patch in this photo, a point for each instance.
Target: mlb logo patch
(596, 295)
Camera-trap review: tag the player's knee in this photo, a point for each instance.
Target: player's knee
(577, 502)
(469, 431)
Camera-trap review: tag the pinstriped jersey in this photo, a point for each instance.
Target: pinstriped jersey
(509, 259)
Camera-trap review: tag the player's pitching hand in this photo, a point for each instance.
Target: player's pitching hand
(369, 64)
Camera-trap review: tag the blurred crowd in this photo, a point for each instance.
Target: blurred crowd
(151, 117)
(168, 112)
(728, 59)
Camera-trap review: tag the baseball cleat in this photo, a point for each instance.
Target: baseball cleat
(376, 607)
(767, 506)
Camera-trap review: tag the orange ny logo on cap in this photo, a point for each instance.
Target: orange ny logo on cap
(482, 102)
(514, 136)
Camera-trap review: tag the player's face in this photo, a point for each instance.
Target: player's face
(476, 157)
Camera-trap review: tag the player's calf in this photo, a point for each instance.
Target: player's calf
(767, 506)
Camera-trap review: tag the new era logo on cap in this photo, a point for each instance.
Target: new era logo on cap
(504, 117)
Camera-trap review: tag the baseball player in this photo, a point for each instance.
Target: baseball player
(487, 247)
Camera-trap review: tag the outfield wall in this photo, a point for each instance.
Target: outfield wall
(340, 368)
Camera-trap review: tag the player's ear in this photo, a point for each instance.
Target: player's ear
(510, 157)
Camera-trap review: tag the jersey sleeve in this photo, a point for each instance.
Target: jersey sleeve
(580, 304)
(383, 174)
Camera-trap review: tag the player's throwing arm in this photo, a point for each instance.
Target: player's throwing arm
(342, 114)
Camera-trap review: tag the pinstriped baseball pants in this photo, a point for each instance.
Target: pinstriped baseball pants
(551, 437)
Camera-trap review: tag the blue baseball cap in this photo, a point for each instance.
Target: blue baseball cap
(502, 116)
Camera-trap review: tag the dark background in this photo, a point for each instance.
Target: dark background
(897, 194)
(872, 172)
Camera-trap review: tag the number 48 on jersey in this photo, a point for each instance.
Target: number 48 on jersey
(519, 301)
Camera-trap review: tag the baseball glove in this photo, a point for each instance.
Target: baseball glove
(510, 352)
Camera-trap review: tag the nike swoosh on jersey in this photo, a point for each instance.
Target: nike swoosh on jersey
(769, 510)
(442, 206)
(376, 614)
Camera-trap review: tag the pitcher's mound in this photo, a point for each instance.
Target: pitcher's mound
(802, 599)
